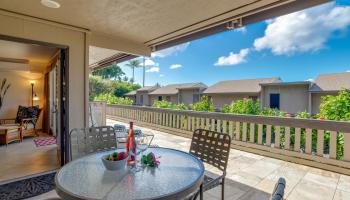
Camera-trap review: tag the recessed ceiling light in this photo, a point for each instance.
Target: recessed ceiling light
(50, 3)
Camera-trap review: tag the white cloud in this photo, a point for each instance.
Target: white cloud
(242, 30)
(303, 31)
(310, 80)
(233, 59)
(149, 62)
(347, 70)
(175, 66)
(153, 69)
(172, 50)
(161, 75)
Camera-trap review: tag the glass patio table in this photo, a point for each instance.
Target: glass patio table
(178, 175)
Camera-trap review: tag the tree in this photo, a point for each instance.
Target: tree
(110, 72)
(100, 86)
(122, 88)
(133, 64)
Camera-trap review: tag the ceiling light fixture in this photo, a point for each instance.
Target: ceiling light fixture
(50, 3)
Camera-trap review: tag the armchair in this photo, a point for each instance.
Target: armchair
(26, 119)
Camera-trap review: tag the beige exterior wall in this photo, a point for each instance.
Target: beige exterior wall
(146, 99)
(187, 96)
(293, 99)
(316, 101)
(221, 99)
(173, 98)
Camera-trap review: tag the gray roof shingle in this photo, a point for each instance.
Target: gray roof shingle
(331, 82)
(132, 93)
(240, 86)
(172, 89)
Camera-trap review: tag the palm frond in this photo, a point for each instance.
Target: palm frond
(3, 83)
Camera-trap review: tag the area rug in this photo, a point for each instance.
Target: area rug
(27, 188)
(39, 142)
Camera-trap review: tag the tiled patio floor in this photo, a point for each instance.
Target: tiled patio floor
(251, 176)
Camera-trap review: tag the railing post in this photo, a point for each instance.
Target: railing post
(252, 133)
(193, 126)
(268, 135)
(308, 141)
(260, 133)
(230, 128)
(238, 130)
(202, 123)
(198, 121)
(244, 134)
(189, 123)
(224, 126)
(320, 142)
(287, 138)
(346, 146)
(207, 123)
(277, 136)
(212, 124)
(333, 145)
(297, 139)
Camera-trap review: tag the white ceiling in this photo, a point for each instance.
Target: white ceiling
(97, 54)
(135, 20)
(38, 56)
(31, 52)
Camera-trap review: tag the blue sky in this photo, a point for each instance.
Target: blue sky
(295, 47)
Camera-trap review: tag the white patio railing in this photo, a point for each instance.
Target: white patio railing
(305, 141)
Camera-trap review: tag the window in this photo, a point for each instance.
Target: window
(160, 98)
(141, 99)
(195, 98)
(275, 101)
(168, 98)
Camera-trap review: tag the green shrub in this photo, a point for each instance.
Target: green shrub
(162, 104)
(336, 107)
(204, 104)
(243, 106)
(180, 106)
(111, 99)
(272, 112)
(167, 104)
(303, 115)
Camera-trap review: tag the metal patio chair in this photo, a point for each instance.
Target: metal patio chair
(278, 191)
(212, 148)
(84, 141)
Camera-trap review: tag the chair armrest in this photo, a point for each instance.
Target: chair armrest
(28, 119)
(7, 121)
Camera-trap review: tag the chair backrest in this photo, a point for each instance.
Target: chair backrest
(84, 141)
(32, 112)
(119, 128)
(278, 191)
(211, 147)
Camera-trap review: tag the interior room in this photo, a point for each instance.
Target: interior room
(28, 109)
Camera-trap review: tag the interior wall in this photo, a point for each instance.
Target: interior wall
(20, 93)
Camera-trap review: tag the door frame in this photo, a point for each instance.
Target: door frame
(64, 90)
